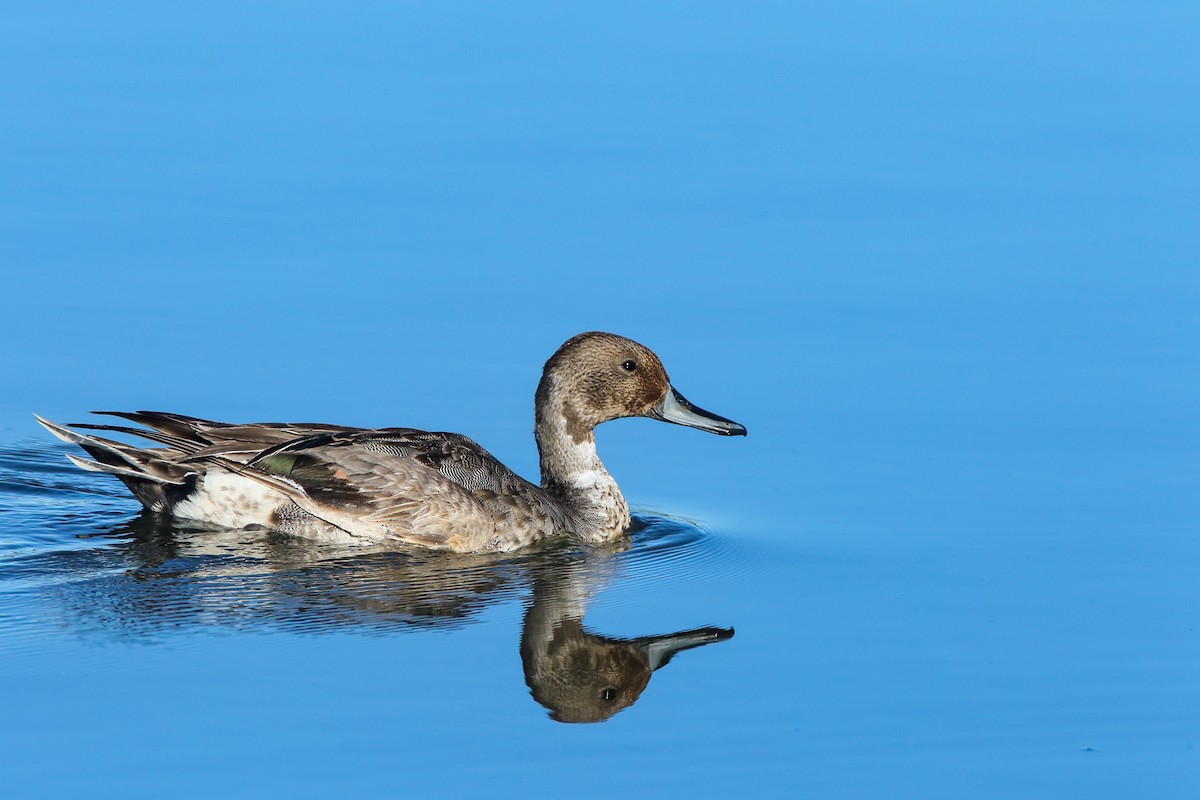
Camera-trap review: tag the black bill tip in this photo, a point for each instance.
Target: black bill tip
(675, 408)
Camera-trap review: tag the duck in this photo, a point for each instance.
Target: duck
(404, 486)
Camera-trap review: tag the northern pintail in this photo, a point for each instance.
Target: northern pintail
(437, 490)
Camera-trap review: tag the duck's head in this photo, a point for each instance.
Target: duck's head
(595, 377)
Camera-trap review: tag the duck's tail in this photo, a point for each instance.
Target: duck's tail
(155, 476)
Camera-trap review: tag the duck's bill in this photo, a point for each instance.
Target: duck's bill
(675, 408)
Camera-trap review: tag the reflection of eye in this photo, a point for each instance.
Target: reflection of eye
(609, 694)
(629, 365)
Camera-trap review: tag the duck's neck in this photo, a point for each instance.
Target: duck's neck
(574, 475)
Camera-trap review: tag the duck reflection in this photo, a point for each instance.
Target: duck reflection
(158, 577)
(582, 676)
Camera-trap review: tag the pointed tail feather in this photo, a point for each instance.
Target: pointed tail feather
(66, 434)
(112, 469)
(104, 450)
(179, 425)
(151, 475)
(182, 445)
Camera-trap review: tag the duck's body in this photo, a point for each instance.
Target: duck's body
(438, 490)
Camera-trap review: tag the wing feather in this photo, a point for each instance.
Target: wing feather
(436, 489)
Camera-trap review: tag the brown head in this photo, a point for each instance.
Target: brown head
(595, 377)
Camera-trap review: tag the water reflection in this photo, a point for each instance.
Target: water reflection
(153, 577)
(582, 676)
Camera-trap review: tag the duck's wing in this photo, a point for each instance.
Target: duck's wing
(430, 488)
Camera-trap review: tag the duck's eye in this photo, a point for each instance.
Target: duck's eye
(609, 694)
(629, 365)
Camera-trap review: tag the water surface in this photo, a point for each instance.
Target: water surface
(940, 260)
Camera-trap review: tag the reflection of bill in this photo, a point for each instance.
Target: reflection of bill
(581, 676)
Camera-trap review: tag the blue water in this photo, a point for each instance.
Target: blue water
(940, 259)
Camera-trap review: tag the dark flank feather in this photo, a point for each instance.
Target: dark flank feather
(324, 482)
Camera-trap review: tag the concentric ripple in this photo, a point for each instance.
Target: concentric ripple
(666, 544)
